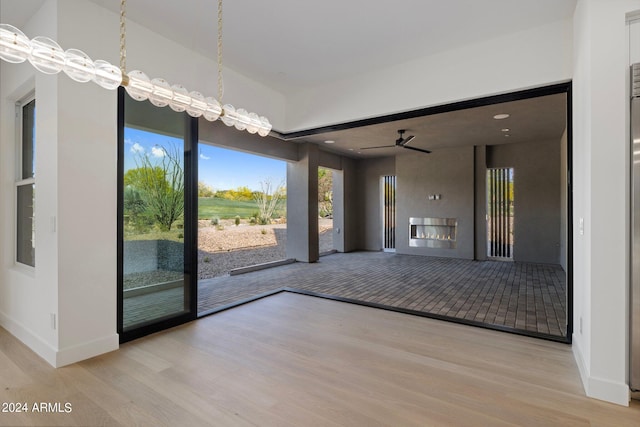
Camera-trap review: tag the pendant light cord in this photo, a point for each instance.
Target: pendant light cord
(220, 80)
(123, 36)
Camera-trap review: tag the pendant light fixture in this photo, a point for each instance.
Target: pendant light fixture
(48, 57)
(160, 93)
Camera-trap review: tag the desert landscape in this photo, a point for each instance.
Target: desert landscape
(227, 246)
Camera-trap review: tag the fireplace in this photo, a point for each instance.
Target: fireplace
(433, 232)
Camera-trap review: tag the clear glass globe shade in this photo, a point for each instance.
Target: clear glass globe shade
(254, 123)
(265, 126)
(181, 99)
(213, 109)
(162, 93)
(242, 119)
(15, 47)
(139, 86)
(107, 75)
(46, 55)
(198, 105)
(78, 66)
(230, 116)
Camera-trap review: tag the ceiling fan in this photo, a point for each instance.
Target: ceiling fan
(400, 142)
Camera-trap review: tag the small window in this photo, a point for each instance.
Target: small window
(26, 184)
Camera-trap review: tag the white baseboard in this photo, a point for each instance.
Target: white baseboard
(598, 388)
(58, 357)
(87, 350)
(29, 338)
(609, 391)
(577, 355)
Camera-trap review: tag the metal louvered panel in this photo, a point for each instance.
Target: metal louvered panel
(500, 213)
(389, 212)
(635, 80)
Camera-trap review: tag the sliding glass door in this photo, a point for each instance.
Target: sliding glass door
(157, 283)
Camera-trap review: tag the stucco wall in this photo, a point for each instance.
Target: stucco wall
(449, 173)
(536, 197)
(369, 214)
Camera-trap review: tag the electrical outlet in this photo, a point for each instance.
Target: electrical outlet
(581, 226)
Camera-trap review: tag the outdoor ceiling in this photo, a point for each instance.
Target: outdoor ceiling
(291, 45)
(536, 119)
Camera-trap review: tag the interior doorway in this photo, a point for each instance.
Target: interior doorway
(326, 211)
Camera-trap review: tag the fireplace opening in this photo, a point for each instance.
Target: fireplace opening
(433, 232)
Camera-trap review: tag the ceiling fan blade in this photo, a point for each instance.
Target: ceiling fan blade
(416, 149)
(406, 140)
(380, 146)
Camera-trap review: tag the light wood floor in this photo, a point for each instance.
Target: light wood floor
(294, 360)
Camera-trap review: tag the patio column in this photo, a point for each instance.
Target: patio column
(302, 205)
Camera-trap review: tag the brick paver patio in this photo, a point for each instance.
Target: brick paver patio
(526, 297)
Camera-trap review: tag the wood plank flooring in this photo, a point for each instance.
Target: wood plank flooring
(295, 360)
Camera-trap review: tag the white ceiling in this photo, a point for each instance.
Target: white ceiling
(292, 44)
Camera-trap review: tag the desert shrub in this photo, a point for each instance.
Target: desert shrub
(219, 227)
(215, 220)
(253, 220)
(205, 190)
(325, 192)
(263, 231)
(206, 259)
(268, 200)
(237, 220)
(157, 185)
(180, 236)
(240, 193)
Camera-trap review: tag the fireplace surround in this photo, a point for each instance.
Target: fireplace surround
(433, 232)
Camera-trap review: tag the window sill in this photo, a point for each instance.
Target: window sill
(24, 269)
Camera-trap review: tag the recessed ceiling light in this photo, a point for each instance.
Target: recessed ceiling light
(501, 116)
(329, 141)
(505, 130)
(506, 135)
(350, 149)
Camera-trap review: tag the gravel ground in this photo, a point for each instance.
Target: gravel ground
(224, 248)
(227, 246)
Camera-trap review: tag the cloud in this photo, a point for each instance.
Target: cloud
(137, 148)
(203, 157)
(128, 141)
(158, 151)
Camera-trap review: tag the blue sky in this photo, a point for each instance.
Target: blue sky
(220, 168)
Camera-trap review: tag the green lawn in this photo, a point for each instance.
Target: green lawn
(209, 207)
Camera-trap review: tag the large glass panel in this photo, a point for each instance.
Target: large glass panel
(29, 140)
(25, 250)
(25, 187)
(155, 272)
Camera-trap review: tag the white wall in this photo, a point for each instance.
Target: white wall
(75, 277)
(29, 296)
(157, 56)
(530, 58)
(601, 176)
